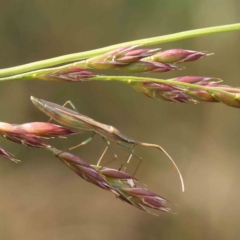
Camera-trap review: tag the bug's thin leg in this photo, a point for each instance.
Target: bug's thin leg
(79, 145)
(115, 157)
(108, 147)
(71, 104)
(129, 158)
(130, 155)
(130, 151)
(138, 166)
(82, 143)
(100, 159)
(65, 104)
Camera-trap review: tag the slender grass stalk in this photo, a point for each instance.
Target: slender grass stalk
(132, 80)
(183, 89)
(143, 42)
(125, 79)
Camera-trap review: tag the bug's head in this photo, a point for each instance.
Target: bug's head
(47, 107)
(37, 102)
(60, 114)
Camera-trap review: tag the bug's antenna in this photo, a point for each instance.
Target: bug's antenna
(169, 157)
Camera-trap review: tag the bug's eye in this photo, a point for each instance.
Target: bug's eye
(111, 129)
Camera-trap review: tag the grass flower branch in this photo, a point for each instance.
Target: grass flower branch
(143, 42)
(121, 184)
(128, 59)
(189, 89)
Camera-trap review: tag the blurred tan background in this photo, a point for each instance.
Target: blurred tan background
(42, 199)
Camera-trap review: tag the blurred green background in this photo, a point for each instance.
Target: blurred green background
(42, 199)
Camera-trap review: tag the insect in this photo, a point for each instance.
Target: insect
(109, 133)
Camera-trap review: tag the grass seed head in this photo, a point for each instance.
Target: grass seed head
(44, 129)
(198, 89)
(82, 169)
(26, 140)
(178, 56)
(230, 99)
(143, 199)
(116, 178)
(145, 66)
(120, 183)
(70, 74)
(7, 155)
(119, 57)
(15, 134)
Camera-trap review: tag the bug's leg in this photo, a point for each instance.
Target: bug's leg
(138, 166)
(71, 104)
(79, 145)
(110, 148)
(65, 104)
(82, 143)
(128, 149)
(100, 159)
(131, 153)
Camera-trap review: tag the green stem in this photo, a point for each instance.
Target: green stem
(143, 42)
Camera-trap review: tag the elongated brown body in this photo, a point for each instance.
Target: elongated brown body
(74, 119)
